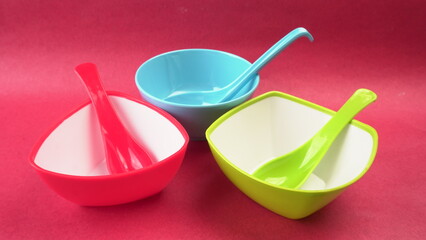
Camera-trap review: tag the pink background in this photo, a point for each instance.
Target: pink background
(378, 45)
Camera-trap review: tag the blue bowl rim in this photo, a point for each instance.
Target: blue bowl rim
(230, 102)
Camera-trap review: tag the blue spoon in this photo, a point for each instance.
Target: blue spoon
(229, 92)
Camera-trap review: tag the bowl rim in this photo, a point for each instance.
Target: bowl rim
(163, 101)
(356, 123)
(54, 126)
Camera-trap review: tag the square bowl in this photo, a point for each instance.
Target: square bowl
(70, 157)
(274, 124)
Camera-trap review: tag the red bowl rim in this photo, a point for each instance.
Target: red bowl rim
(44, 136)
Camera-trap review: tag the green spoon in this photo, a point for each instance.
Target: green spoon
(293, 169)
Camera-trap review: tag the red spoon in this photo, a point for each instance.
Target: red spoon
(123, 153)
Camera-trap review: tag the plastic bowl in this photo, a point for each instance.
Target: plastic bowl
(275, 123)
(70, 158)
(192, 70)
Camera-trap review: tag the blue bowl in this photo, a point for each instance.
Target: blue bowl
(193, 70)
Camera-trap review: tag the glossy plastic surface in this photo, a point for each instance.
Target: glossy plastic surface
(229, 92)
(122, 152)
(293, 169)
(79, 173)
(192, 70)
(274, 124)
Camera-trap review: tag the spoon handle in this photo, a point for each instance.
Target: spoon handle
(328, 133)
(272, 52)
(121, 149)
(357, 102)
(106, 115)
(319, 145)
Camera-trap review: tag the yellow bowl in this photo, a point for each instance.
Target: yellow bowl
(275, 123)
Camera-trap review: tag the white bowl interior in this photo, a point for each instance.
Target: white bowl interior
(75, 147)
(275, 126)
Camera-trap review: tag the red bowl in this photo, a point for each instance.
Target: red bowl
(70, 157)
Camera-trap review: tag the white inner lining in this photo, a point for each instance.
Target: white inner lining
(75, 147)
(275, 126)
